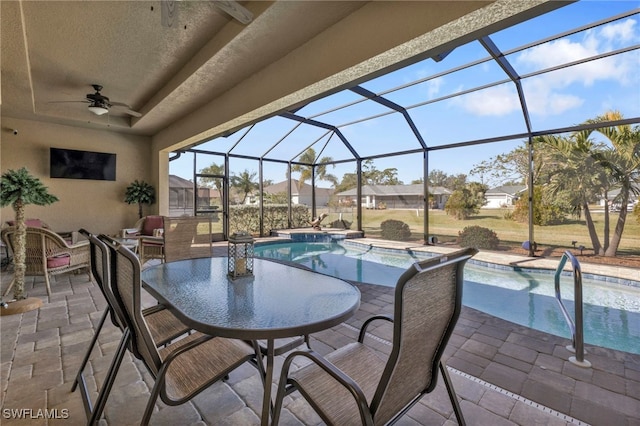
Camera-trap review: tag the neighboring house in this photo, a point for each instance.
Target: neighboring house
(503, 196)
(396, 196)
(633, 200)
(181, 197)
(300, 194)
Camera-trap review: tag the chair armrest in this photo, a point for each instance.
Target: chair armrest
(363, 329)
(129, 233)
(80, 244)
(151, 240)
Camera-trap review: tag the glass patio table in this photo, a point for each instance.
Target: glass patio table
(279, 301)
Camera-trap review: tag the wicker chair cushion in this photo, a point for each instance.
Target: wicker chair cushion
(151, 223)
(58, 261)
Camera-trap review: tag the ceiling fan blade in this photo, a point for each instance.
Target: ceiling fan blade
(240, 13)
(169, 12)
(133, 113)
(127, 110)
(67, 102)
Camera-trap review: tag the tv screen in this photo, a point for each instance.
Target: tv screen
(73, 164)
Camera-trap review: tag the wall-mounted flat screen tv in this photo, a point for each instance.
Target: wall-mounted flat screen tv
(73, 164)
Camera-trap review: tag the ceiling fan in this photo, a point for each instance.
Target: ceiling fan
(230, 7)
(100, 104)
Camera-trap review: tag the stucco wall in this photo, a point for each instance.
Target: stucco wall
(95, 205)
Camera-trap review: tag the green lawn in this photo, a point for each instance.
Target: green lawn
(511, 233)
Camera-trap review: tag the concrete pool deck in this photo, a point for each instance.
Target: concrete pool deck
(504, 373)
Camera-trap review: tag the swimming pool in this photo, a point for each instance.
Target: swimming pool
(611, 312)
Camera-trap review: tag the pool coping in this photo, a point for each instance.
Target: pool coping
(619, 275)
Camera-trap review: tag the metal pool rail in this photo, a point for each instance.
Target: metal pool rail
(577, 334)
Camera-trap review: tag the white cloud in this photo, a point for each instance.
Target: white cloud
(620, 31)
(547, 93)
(433, 87)
(494, 101)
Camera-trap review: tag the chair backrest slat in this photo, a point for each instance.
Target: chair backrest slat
(428, 300)
(101, 271)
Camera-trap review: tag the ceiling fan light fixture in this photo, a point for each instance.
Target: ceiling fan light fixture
(98, 109)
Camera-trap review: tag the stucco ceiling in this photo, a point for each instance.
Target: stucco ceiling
(53, 51)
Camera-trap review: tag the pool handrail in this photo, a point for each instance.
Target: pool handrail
(577, 329)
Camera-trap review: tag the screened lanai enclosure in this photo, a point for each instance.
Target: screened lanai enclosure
(527, 139)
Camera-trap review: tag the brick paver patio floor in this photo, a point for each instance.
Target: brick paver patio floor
(504, 373)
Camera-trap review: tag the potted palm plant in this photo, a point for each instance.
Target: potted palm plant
(18, 188)
(140, 192)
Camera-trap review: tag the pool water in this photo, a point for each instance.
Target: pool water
(611, 312)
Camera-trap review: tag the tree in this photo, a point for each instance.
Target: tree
(586, 170)
(439, 178)
(463, 204)
(309, 158)
(244, 183)
(373, 176)
(512, 168)
(212, 182)
(545, 211)
(19, 189)
(140, 193)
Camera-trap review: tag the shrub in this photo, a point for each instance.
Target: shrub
(544, 213)
(478, 237)
(247, 217)
(395, 230)
(340, 224)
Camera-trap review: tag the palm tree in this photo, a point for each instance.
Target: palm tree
(585, 170)
(215, 170)
(140, 193)
(19, 189)
(309, 157)
(622, 162)
(244, 182)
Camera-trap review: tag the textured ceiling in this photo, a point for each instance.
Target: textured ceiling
(53, 51)
(207, 62)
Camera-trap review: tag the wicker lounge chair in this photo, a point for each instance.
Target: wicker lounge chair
(355, 385)
(47, 253)
(183, 369)
(149, 230)
(164, 327)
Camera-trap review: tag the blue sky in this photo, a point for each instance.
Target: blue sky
(555, 99)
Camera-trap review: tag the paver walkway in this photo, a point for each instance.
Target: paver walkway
(505, 374)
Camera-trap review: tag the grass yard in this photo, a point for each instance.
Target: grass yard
(510, 233)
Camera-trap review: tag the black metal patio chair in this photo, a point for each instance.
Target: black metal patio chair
(355, 385)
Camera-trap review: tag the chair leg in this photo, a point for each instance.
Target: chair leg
(90, 349)
(155, 391)
(96, 413)
(452, 394)
(48, 283)
(6, 292)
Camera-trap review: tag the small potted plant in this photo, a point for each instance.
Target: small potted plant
(19, 189)
(140, 192)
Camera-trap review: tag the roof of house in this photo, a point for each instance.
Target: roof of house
(296, 189)
(178, 182)
(395, 190)
(506, 189)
